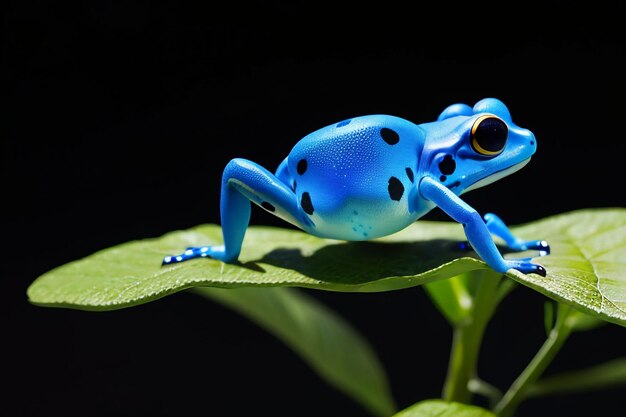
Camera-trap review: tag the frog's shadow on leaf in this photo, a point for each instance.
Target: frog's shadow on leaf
(366, 261)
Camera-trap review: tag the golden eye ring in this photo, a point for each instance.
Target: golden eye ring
(488, 135)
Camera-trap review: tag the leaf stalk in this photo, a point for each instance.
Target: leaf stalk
(468, 336)
(519, 389)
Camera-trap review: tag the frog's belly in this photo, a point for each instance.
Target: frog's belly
(348, 217)
(360, 222)
(355, 185)
(360, 196)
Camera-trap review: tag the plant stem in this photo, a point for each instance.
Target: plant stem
(468, 336)
(605, 375)
(518, 390)
(478, 386)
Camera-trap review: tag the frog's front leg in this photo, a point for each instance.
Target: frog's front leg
(498, 228)
(244, 182)
(476, 230)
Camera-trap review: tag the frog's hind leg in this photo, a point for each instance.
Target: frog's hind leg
(498, 228)
(243, 182)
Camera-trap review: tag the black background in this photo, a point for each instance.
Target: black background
(119, 118)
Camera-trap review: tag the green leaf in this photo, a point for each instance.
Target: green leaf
(451, 298)
(440, 408)
(580, 322)
(322, 338)
(586, 268)
(606, 375)
(131, 273)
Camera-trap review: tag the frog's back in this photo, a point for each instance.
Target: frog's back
(355, 177)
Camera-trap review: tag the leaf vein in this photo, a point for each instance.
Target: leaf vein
(588, 259)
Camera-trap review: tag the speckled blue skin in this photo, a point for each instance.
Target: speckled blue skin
(372, 176)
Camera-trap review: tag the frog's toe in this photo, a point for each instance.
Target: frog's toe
(527, 267)
(463, 246)
(538, 245)
(193, 252)
(541, 245)
(173, 259)
(538, 269)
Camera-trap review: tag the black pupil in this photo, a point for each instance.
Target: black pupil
(491, 134)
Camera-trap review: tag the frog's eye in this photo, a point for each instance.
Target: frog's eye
(488, 135)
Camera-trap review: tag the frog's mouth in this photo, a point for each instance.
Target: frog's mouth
(497, 175)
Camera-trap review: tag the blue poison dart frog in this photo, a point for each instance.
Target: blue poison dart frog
(371, 176)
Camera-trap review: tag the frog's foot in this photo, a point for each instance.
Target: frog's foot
(518, 246)
(498, 228)
(539, 245)
(464, 246)
(525, 266)
(215, 252)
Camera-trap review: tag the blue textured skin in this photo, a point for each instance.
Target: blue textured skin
(372, 176)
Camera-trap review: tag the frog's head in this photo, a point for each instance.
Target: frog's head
(468, 148)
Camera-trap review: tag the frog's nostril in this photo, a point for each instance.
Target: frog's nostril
(530, 137)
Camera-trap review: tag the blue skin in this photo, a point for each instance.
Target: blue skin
(372, 176)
